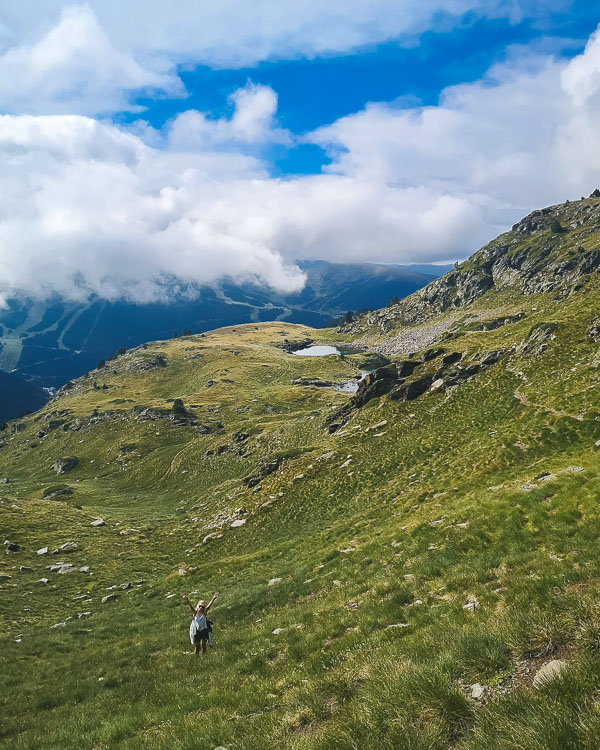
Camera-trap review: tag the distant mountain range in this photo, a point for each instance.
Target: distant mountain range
(50, 342)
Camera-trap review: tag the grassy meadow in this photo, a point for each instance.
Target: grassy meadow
(381, 572)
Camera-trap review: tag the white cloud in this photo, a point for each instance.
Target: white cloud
(523, 136)
(237, 33)
(252, 123)
(87, 206)
(74, 68)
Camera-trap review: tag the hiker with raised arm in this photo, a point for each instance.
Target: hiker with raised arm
(200, 627)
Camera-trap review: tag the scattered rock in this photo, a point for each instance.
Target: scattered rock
(277, 631)
(548, 672)
(573, 470)
(12, 546)
(397, 625)
(109, 598)
(472, 603)
(478, 691)
(98, 522)
(4, 577)
(125, 586)
(273, 581)
(43, 580)
(51, 493)
(239, 522)
(85, 569)
(25, 569)
(68, 547)
(377, 426)
(63, 465)
(42, 551)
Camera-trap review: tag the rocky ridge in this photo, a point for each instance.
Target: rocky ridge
(552, 250)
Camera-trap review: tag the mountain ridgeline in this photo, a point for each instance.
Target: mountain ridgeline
(403, 533)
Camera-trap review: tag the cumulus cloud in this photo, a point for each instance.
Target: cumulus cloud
(252, 123)
(523, 136)
(87, 208)
(73, 67)
(90, 207)
(236, 33)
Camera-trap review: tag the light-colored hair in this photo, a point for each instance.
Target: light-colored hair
(200, 604)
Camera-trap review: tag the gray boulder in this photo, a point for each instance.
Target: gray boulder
(63, 465)
(52, 493)
(68, 547)
(548, 672)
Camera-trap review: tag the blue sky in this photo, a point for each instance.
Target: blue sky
(316, 92)
(143, 141)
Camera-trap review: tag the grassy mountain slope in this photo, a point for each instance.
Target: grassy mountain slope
(439, 537)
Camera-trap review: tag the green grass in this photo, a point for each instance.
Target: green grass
(443, 506)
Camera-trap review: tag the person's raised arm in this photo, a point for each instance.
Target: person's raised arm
(188, 602)
(212, 601)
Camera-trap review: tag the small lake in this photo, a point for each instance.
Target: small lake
(350, 386)
(317, 351)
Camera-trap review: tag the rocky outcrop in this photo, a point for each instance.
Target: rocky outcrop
(456, 375)
(63, 465)
(534, 257)
(294, 346)
(143, 364)
(389, 381)
(413, 389)
(376, 383)
(316, 382)
(593, 332)
(406, 368)
(491, 325)
(52, 493)
(263, 470)
(537, 339)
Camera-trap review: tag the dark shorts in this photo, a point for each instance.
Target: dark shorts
(201, 635)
